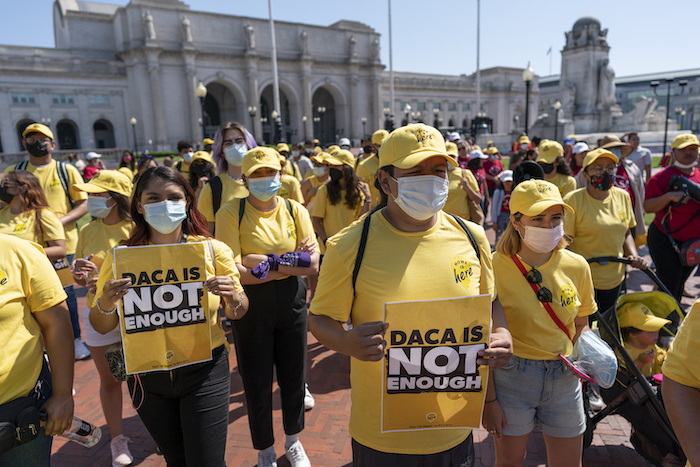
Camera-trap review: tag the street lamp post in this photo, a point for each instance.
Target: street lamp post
(252, 111)
(680, 124)
(528, 76)
(201, 92)
(655, 85)
(436, 113)
(303, 122)
(364, 124)
(322, 110)
(557, 107)
(407, 109)
(133, 122)
(277, 126)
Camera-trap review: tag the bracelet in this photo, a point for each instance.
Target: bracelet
(367, 200)
(99, 308)
(493, 400)
(235, 309)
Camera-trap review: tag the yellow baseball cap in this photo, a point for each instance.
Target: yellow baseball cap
(318, 149)
(282, 147)
(683, 141)
(595, 154)
(320, 157)
(260, 157)
(532, 197)
(107, 180)
(410, 145)
(203, 155)
(492, 150)
(451, 149)
(637, 315)
(549, 151)
(340, 157)
(37, 128)
(379, 136)
(206, 141)
(524, 140)
(316, 141)
(333, 148)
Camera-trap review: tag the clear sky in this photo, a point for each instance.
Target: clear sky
(439, 36)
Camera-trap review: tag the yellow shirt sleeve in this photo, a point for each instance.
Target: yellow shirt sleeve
(225, 265)
(227, 228)
(319, 209)
(73, 178)
(51, 226)
(681, 362)
(205, 204)
(471, 179)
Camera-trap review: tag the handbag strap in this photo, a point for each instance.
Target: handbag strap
(546, 305)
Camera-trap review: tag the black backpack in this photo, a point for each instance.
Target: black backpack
(62, 176)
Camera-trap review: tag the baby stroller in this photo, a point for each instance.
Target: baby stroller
(632, 395)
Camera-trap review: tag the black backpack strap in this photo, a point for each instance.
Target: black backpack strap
(216, 192)
(289, 208)
(241, 211)
(63, 177)
(469, 234)
(360, 251)
(22, 165)
(178, 164)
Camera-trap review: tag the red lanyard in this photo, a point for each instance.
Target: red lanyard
(546, 305)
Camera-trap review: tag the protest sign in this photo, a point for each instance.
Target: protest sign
(164, 317)
(430, 379)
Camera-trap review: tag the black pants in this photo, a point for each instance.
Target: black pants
(668, 266)
(186, 410)
(461, 455)
(607, 299)
(273, 332)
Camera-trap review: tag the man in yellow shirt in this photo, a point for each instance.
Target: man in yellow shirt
(33, 306)
(186, 151)
(367, 169)
(57, 180)
(410, 246)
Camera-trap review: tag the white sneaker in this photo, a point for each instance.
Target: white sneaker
(81, 350)
(309, 401)
(595, 401)
(267, 459)
(121, 455)
(297, 456)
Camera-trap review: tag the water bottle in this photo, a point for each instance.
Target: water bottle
(81, 432)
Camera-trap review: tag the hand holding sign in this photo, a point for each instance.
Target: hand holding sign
(113, 291)
(366, 341)
(81, 268)
(500, 349)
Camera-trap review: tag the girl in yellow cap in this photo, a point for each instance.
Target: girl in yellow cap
(537, 278)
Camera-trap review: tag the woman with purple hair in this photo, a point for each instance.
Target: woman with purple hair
(231, 143)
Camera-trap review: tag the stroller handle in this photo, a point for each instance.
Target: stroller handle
(603, 260)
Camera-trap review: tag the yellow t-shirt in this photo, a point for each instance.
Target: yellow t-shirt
(334, 217)
(565, 183)
(230, 189)
(97, 238)
(681, 364)
(224, 267)
(396, 266)
(291, 188)
(56, 195)
(535, 334)
(598, 228)
(367, 171)
(183, 167)
(23, 226)
(457, 199)
(273, 232)
(652, 368)
(292, 169)
(28, 284)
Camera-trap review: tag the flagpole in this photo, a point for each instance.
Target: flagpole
(549, 52)
(276, 86)
(478, 69)
(391, 73)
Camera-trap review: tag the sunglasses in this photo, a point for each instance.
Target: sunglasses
(544, 295)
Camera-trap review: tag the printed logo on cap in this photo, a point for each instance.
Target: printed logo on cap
(543, 188)
(259, 155)
(423, 135)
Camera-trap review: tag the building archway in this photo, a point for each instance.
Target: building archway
(67, 135)
(21, 126)
(220, 105)
(103, 134)
(325, 127)
(267, 105)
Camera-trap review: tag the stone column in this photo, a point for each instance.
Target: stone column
(376, 116)
(354, 127)
(157, 97)
(85, 132)
(306, 99)
(195, 111)
(254, 94)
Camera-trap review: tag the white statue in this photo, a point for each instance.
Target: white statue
(250, 36)
(186, 30)
(304, 41)
(353, 46)
(148, 27)
(606, 84)
(375, 50)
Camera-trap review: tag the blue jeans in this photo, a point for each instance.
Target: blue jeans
(36, 453)
(72, 305)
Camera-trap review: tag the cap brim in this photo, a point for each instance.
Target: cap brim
(90, 188)
(685, 145)
(261, 165)
(654, 323)
(416, 158)
(540, 206)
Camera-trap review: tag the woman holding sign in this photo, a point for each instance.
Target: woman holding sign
(185, 409)
(272, 241)
(547, 294)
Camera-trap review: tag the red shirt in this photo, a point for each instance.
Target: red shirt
(622, 181)
(681, 217)
(89, 171)
(505, 205)
(492, 168)
(480, 175)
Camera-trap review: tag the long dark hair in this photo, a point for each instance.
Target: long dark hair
(132, 164)
(352, 192)
(34, 198)
(207, 170)
(562, 166)
(123, 205)
(194, 224)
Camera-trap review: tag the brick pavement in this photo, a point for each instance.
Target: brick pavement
(326, 436)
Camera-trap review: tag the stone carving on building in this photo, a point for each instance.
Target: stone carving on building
(586, 31)
(304, 43)
(352, 47)
(606, 85)
(249, 36)
(148, 27)
(375, 51)
(568, 100)
(186, 30)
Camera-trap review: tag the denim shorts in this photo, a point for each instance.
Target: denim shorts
(540, 393)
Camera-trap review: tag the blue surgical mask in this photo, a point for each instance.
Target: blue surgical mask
(165, 216)
(264, 188)
(422, 196)
(234, 154)
(97, 207)
(617, 152)
(319, 171)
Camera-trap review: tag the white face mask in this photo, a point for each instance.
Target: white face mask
(97, 207)
(188, 156)
(422, 196)
(165, 216)
(542, 240)
(685, 166)
(319, 171)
